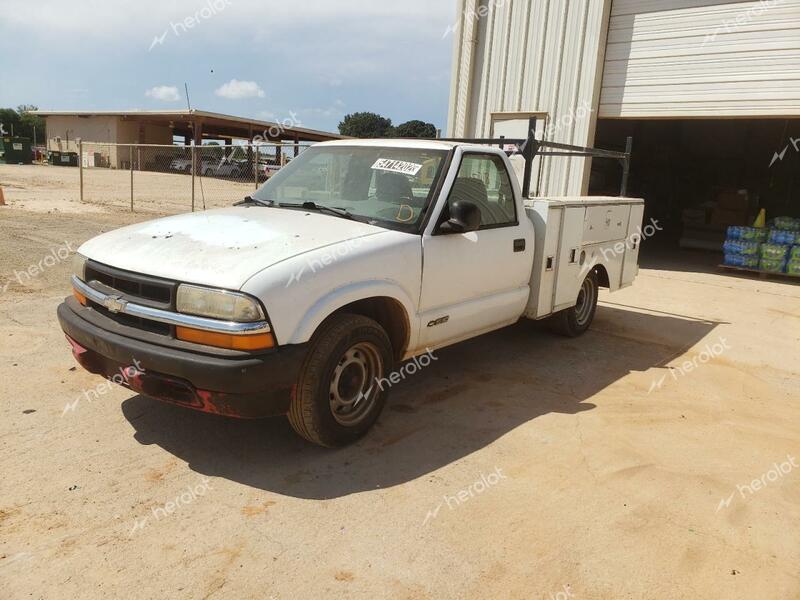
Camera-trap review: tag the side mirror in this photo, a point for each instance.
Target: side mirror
(464, 216)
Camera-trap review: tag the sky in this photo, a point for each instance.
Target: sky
(310, 61)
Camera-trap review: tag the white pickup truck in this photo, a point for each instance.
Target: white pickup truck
(358, 254)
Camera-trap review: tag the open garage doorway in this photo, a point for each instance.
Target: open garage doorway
(698, 176)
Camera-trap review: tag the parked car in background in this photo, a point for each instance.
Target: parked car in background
(224, 168)
(272, 166)
(184, 165)
(181, 164)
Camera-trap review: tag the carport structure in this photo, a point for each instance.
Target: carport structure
(161, 127)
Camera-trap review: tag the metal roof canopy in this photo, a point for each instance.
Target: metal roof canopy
(210, 125)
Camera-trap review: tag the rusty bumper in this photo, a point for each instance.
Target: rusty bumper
(245, 386)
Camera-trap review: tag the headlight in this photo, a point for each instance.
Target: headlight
(79, 266)
(218, 304)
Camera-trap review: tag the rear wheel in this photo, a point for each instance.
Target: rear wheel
(338, 396)
(574, 321)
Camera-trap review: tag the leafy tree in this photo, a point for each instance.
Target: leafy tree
(366, 125)
(237, 153)
(22, 123)
(213, 150)
(9, 119)
(416, 129)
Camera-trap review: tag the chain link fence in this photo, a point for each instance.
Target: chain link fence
(174, 179)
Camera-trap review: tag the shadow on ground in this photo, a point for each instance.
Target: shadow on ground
(475, 393)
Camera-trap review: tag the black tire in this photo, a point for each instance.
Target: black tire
(337, 398)
(576, 320)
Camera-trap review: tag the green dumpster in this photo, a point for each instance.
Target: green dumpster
(63, 159)
(15, 151)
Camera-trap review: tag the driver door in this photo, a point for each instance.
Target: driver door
(480, 280)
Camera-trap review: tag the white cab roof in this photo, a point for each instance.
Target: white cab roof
(417, 144)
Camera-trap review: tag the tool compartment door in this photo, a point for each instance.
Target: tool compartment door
(568, 268)
(606, 223)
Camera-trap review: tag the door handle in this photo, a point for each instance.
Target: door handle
(519, 245)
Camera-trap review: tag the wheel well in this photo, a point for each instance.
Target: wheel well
(389, 314)
(602, 276)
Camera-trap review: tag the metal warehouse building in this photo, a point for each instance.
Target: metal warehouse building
(708, 89)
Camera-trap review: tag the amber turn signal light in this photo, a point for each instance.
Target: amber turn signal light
(258, 341)
(79, 297)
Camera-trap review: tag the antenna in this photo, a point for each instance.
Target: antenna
(188, 102)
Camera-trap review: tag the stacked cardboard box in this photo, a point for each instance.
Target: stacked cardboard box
(731, 209)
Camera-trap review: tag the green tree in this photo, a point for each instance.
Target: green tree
(22, 123)
(9, 120)
(237, 153)
(416, 129)
(366, 125)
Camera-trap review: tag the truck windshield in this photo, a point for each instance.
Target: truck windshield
(387, 186)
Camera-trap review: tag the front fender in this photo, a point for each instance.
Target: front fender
(348, 294)
(301, 292)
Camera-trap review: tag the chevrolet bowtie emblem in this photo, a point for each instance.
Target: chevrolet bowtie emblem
(115, 304)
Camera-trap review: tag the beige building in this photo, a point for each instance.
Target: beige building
(65, 128)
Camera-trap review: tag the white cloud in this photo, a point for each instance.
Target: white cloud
(373, 55)
(236, 90)
(165, 93)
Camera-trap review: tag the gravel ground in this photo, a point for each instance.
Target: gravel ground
(517, 465)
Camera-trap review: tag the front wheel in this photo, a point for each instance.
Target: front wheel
(342, 386)
(574, 321)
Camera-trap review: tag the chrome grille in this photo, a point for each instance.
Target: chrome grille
(143, 289)
(133, 287)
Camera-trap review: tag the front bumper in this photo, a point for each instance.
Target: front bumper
(244, 386)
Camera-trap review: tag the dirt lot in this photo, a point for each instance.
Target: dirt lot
(517, 465)
(45, 188)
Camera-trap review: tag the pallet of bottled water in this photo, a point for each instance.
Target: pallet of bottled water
(774, 249)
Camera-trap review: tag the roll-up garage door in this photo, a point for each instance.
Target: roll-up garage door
(702, 58)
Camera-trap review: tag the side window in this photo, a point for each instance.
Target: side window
(483, 180)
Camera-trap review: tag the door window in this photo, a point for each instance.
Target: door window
(483, 180)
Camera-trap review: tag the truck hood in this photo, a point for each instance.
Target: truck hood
(221, 248)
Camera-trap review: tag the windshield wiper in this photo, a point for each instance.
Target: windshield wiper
(339, 212)
(248, 199)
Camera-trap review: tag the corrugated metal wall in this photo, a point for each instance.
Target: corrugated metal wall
(532, 56)
(702, 58)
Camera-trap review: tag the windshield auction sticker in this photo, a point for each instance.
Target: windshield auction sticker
(396, 166)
